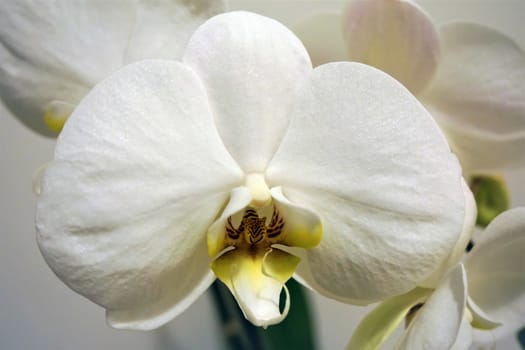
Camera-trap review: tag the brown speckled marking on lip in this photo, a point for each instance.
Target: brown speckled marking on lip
(254, 229)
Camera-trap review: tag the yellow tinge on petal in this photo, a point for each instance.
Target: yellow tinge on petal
(478, 318)
(245, 243)
(217, 240)
(303, 229)
(56, 115)
(259, 190)
(381, 322)
(256, 279)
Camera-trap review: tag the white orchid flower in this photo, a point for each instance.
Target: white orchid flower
(496, 275)
(53, 52)
(238, 156)
(490, 284)
(470, 77)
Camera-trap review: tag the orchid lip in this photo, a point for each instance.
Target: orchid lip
(244, 243)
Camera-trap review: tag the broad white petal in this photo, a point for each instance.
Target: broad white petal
(303, 275)
(250, 66)
(380, 323)
(437, 323)
(56, 51)
(495, 271)
(364, 155)
(396, 36)
(162, 28)
(469, 224)
(478, 96)
(138, 176)
(323, 37)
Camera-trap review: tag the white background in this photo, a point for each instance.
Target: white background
(38, 312)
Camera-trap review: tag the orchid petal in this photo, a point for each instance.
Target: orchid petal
(390, 212)
(437, 324)
(240, 197)
(464, 338)
(480, 319)
(47, 53)
(395, 36)
(139, 175)
(55, 52)
(321, 35)
(303, 275)
(495, 271)
(294, 226)
(163, 27)
(256, 282)
(381, 322)
(250, 66)
(302, 227)
(478, 96)
(458, 252)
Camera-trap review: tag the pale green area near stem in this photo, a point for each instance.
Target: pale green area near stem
(379, 324)
(492, 197)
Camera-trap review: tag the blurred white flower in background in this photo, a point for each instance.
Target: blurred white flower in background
(53, 52)
(470, 77)
(484, 293)
(231, 156)
(496, 278)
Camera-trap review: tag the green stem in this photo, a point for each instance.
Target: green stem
(240, 334)
(297, 331)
